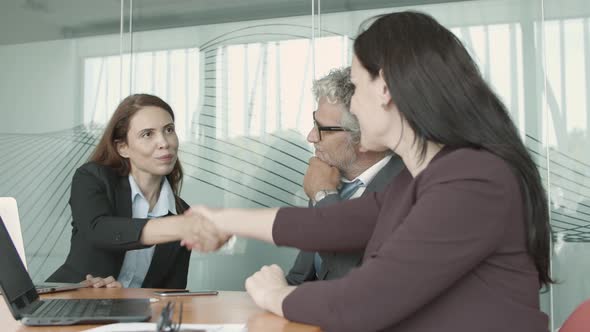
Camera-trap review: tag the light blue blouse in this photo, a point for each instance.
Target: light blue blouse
(137, 262)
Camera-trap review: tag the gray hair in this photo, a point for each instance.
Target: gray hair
(337, 88)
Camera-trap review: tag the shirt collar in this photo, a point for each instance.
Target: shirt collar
(166, 200)
(369, 174)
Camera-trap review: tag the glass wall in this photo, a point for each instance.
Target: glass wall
(242, 93)
(566, 119)
(238, 76)
(43, 135)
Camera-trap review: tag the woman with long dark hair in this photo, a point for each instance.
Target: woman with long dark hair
(458, 242)
(126, 199)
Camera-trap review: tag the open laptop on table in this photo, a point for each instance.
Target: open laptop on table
(9, 214)
(52, 287)
(23, 300)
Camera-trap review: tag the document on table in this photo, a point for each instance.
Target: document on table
(151, 327)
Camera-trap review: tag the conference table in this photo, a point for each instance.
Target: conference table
(224, 308)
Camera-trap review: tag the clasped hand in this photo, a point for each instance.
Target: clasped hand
(320, 176)
(268, 288)
(201, 233)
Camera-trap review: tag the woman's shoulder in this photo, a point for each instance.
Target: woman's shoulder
(469, 164)
(470, 157)
(97, 170)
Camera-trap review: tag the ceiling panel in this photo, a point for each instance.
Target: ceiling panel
(23, 21)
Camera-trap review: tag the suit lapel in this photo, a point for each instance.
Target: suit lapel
(161, 260)
(121, 191)
(386, 174)
(123, 201)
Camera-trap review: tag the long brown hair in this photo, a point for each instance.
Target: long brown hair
(439, 90)
(106, 152)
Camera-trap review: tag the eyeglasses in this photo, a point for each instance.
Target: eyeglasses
(165, 322)
(319, 129)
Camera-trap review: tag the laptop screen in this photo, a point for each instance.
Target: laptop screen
(14, 279)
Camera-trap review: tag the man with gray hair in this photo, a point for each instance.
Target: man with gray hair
(339, 171)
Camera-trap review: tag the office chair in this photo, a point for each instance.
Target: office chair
(579, 320)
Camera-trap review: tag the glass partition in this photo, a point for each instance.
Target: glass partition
(43, 135)
(566, 32)
(238, 76)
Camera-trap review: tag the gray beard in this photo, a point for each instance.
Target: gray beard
(347, 166)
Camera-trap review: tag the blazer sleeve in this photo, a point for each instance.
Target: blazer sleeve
(93, 214)
(417, 262)
(345, 226)
(328, 200)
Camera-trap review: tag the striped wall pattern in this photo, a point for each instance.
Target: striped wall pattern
(569, 194)
(244, 172)
(252, 172)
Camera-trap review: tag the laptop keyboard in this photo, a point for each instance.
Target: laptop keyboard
(75, 308)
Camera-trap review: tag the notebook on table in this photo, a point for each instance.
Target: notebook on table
(23, 300)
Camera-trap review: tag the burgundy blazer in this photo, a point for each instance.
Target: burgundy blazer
(445, 251)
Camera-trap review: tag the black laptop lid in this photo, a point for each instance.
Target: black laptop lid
(17, 287)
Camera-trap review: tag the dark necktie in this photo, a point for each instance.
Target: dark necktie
(349, 188)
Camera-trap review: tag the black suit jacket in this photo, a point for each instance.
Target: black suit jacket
(336, 265)
(103, 230)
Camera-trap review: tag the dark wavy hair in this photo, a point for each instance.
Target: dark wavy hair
(106, 152)
(439, 90)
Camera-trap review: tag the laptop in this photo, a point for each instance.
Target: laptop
(23, 300)
(52, 287)
(9, 213)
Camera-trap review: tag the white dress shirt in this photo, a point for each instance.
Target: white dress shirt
(368, 175)
(137, 262)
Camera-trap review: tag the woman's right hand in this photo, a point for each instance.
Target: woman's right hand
(98, 282)
(202, 234)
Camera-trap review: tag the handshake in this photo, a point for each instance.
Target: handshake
(198, 230)
(207, 229)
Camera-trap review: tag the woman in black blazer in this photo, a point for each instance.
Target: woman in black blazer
(112, 231)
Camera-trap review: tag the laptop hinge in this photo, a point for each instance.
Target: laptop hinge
(24, 304)
(32, 307)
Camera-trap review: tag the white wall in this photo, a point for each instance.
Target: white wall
(39, 87)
